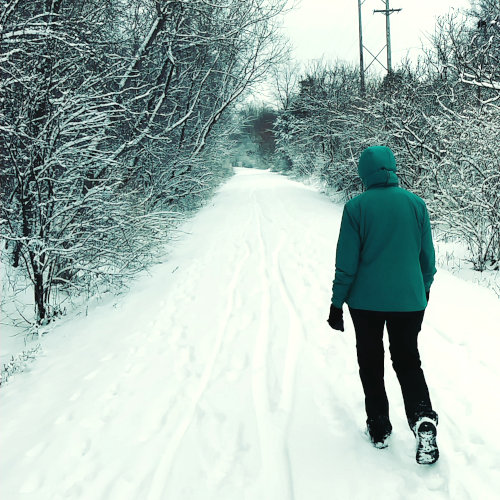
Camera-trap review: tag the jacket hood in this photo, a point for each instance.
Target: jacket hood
(377, 167)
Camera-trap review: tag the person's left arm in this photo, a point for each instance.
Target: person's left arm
(347, 258)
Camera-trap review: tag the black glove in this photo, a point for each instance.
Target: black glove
(336, 318)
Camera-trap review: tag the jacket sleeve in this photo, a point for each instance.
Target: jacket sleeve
(347, 258)
(427, 256)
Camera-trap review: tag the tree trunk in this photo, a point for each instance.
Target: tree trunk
(41, 311)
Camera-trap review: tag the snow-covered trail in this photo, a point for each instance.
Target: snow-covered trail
(218, 377)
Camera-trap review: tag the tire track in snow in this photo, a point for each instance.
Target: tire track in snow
(295, 336)
(276, 474)
(162, 472)
(294, 342)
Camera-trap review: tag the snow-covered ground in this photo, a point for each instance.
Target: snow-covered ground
(217, 376)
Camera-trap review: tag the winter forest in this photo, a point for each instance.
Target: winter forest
(440, 116)
(123, 124)
(115, 121)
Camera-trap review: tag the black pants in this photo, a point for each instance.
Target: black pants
(403, 328)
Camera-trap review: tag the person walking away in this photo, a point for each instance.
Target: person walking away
(384, 269)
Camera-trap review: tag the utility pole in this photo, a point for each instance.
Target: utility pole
(388, 11)
(361, 61)
(362, 70)
(388, 36)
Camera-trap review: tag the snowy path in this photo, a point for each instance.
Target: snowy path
(218, 378)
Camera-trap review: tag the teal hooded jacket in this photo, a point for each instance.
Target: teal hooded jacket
(385, 256)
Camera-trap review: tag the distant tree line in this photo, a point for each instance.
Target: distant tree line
(115, 117)
(440, 116)
(254, 137)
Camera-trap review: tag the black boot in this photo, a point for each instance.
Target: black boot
(378, 429)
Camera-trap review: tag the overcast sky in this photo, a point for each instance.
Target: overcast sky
(329, 28)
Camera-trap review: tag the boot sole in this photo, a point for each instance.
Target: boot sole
(427, 449)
